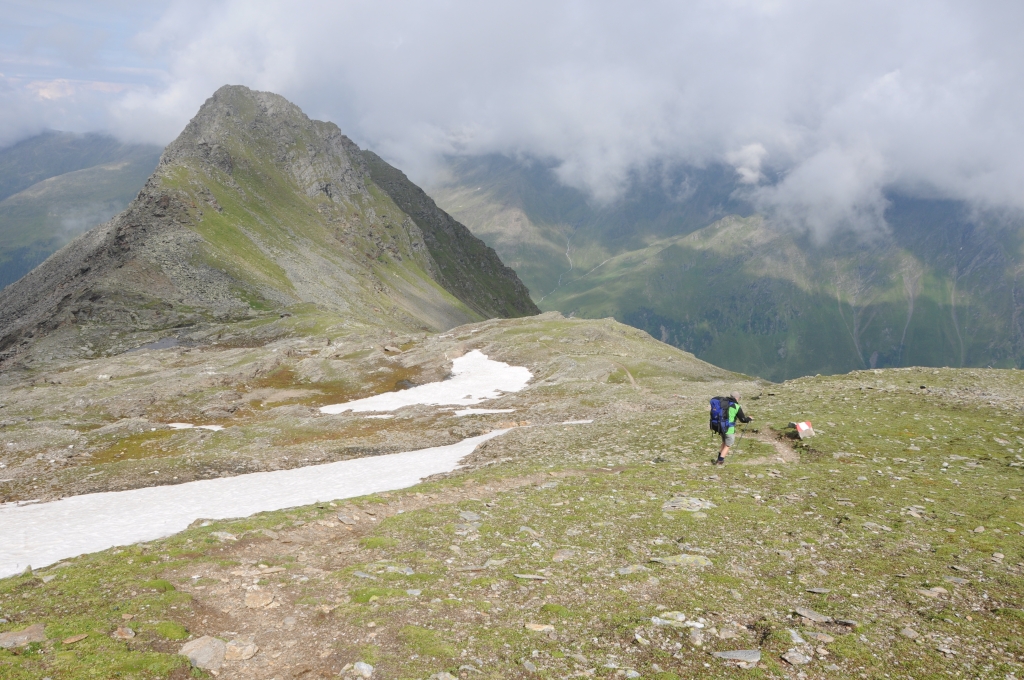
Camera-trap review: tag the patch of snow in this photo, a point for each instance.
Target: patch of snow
(576, 422)
(386, 415)
(44, 533)
(189, 426)
(474, 411)
(475, 378)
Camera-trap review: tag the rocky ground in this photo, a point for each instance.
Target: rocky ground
(889, 545)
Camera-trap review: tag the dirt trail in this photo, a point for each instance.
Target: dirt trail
(784, 452)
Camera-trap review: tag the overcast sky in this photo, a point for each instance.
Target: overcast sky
(841, 100)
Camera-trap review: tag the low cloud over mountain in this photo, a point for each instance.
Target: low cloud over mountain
(820, 106)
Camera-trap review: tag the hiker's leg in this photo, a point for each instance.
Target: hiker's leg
(727, 443)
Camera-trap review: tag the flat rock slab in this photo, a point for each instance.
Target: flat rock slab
(683, 561)
(744, 655)
(206, 652)
(257, 599)
(795, 658)
(240, 650)
(538, 627)
(123, 633)
(20, 638)
(812, 615)
(687, 504)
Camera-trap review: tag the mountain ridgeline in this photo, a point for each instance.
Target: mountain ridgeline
(256, 212)
(682, 256)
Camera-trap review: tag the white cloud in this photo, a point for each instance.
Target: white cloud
(841, 100)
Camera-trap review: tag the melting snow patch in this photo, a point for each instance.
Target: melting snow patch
(190, 426)
(44, 533)
(576, 422)
(474, 411)
(475, 378)
(386, 415)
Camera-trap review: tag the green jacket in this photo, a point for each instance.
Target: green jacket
(736, 415)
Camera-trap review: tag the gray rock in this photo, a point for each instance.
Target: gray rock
(796, 658)
(362, 669)
(206, 652)
(910, 633)
(796, 638)
(530, 666)
(819, 591)
(20, 638)
(744, 655)
(687, 504)
(683, 560)
(812, 615)
(445, 675)
(470, 516)
(240, 650)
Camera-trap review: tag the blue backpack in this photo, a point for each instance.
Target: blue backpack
(720, 422)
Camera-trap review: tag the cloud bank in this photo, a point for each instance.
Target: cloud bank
(837, 102)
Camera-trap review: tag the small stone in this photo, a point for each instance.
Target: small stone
(683, 560)
(240, 650)
(470, 516)
(696, 637)
(445, 675)
(345, 519)
(812, 615)
(563, 555)
(849, 623)
(819, 591)
(538, 627)
(530, 666)
(910, 633)
(224, 536)
(796, 638)
(641, 640)
(979, 530)
(206, 652)
(820, 637)
(744, 655)
(531, 577)
(123, 633)
(20, 638)
(632, 673)
(796, 658)
(74, 638)
(363, 574)
(362, 669)
(127, 617)
(956, 580)
(257, 599)
(414, 592)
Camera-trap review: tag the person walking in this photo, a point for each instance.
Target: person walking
(734, 414)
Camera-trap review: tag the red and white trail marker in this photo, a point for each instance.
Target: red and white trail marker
(804, 429)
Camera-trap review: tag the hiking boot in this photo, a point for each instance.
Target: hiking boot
(720, 461)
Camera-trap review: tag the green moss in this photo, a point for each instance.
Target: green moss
(426, 642)
(171, 630)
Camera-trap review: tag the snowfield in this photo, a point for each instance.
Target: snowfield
(45, 533)
(475, 378)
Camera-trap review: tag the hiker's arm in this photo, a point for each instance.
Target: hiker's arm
(742, 417)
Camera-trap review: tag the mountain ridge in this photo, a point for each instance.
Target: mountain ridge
(253, 210)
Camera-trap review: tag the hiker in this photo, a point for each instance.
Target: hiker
(725, 413)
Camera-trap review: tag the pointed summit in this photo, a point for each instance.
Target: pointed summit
(253, 212)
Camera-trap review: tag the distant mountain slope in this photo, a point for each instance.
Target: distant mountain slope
(55, 153)
(253, 210)
(40, 219)
(944, 288)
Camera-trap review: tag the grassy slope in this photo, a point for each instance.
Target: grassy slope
(750, 299)
(885, 502)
